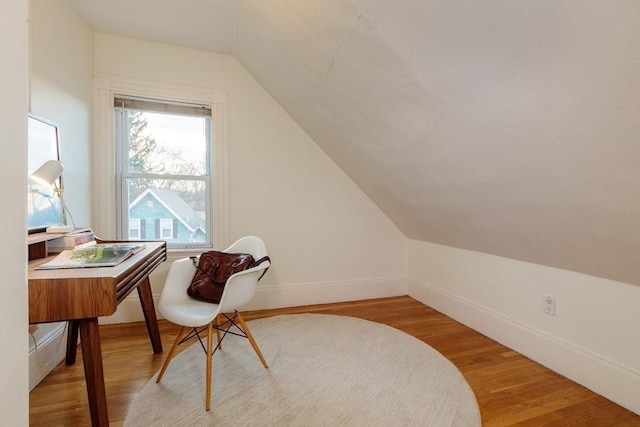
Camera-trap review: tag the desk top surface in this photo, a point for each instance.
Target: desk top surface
(78, 293)
(94, 272)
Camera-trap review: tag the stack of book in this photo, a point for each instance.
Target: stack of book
(70, 241)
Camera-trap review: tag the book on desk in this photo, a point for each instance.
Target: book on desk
(93, 255)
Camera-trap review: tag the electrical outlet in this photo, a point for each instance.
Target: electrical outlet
(549, 304)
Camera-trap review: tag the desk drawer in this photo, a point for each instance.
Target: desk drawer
(55, 299)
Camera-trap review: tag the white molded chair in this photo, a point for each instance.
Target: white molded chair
(195, 316)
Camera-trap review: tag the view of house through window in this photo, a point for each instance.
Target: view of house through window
(164, 171)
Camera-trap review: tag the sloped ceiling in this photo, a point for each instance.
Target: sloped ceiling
(511, 128)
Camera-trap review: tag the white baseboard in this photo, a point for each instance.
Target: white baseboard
(616, 382)
(287, 296)
(327, 292)
(128, 311)
(49, 351)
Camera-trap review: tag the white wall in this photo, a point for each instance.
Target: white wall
(62, 90)
(327, 240)
(594, 338)
(14, 92)
(61, 71)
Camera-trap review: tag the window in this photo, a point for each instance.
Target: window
(134, 228)
(166, 228)
(164, 171)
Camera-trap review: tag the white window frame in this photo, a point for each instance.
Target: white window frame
(124, 174)
(106, 88)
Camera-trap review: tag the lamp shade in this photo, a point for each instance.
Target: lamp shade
(48, 172)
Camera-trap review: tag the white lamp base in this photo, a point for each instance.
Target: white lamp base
(55, 229)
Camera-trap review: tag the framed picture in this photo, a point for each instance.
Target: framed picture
(43, 206)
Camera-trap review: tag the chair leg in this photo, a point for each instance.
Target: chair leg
(172, 352)
(251, 340)
(217, 320)
(209, 366)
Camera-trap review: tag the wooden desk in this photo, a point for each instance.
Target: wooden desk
(81, 295)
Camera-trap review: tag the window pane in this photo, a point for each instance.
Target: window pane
(168, 209)
(166, 143)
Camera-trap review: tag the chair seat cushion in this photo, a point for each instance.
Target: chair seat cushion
(188, 312)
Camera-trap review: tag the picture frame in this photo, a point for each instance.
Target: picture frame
(43, 206)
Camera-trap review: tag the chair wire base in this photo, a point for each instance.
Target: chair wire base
(224, 327)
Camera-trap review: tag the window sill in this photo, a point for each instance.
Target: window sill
(175, 254)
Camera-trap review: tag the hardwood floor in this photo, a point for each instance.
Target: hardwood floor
(511, 390)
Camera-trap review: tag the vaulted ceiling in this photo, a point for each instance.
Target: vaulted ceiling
(511, 128)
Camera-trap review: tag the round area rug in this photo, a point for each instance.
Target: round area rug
(324, 370)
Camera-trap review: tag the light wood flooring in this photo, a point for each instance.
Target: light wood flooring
(511, 390)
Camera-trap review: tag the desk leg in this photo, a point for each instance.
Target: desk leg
(72, 342)
(149, 310)
(93, 372)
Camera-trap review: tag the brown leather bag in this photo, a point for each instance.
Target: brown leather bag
(214, 269)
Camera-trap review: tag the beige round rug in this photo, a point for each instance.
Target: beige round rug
(324, 370)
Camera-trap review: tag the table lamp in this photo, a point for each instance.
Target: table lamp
(47, 174)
